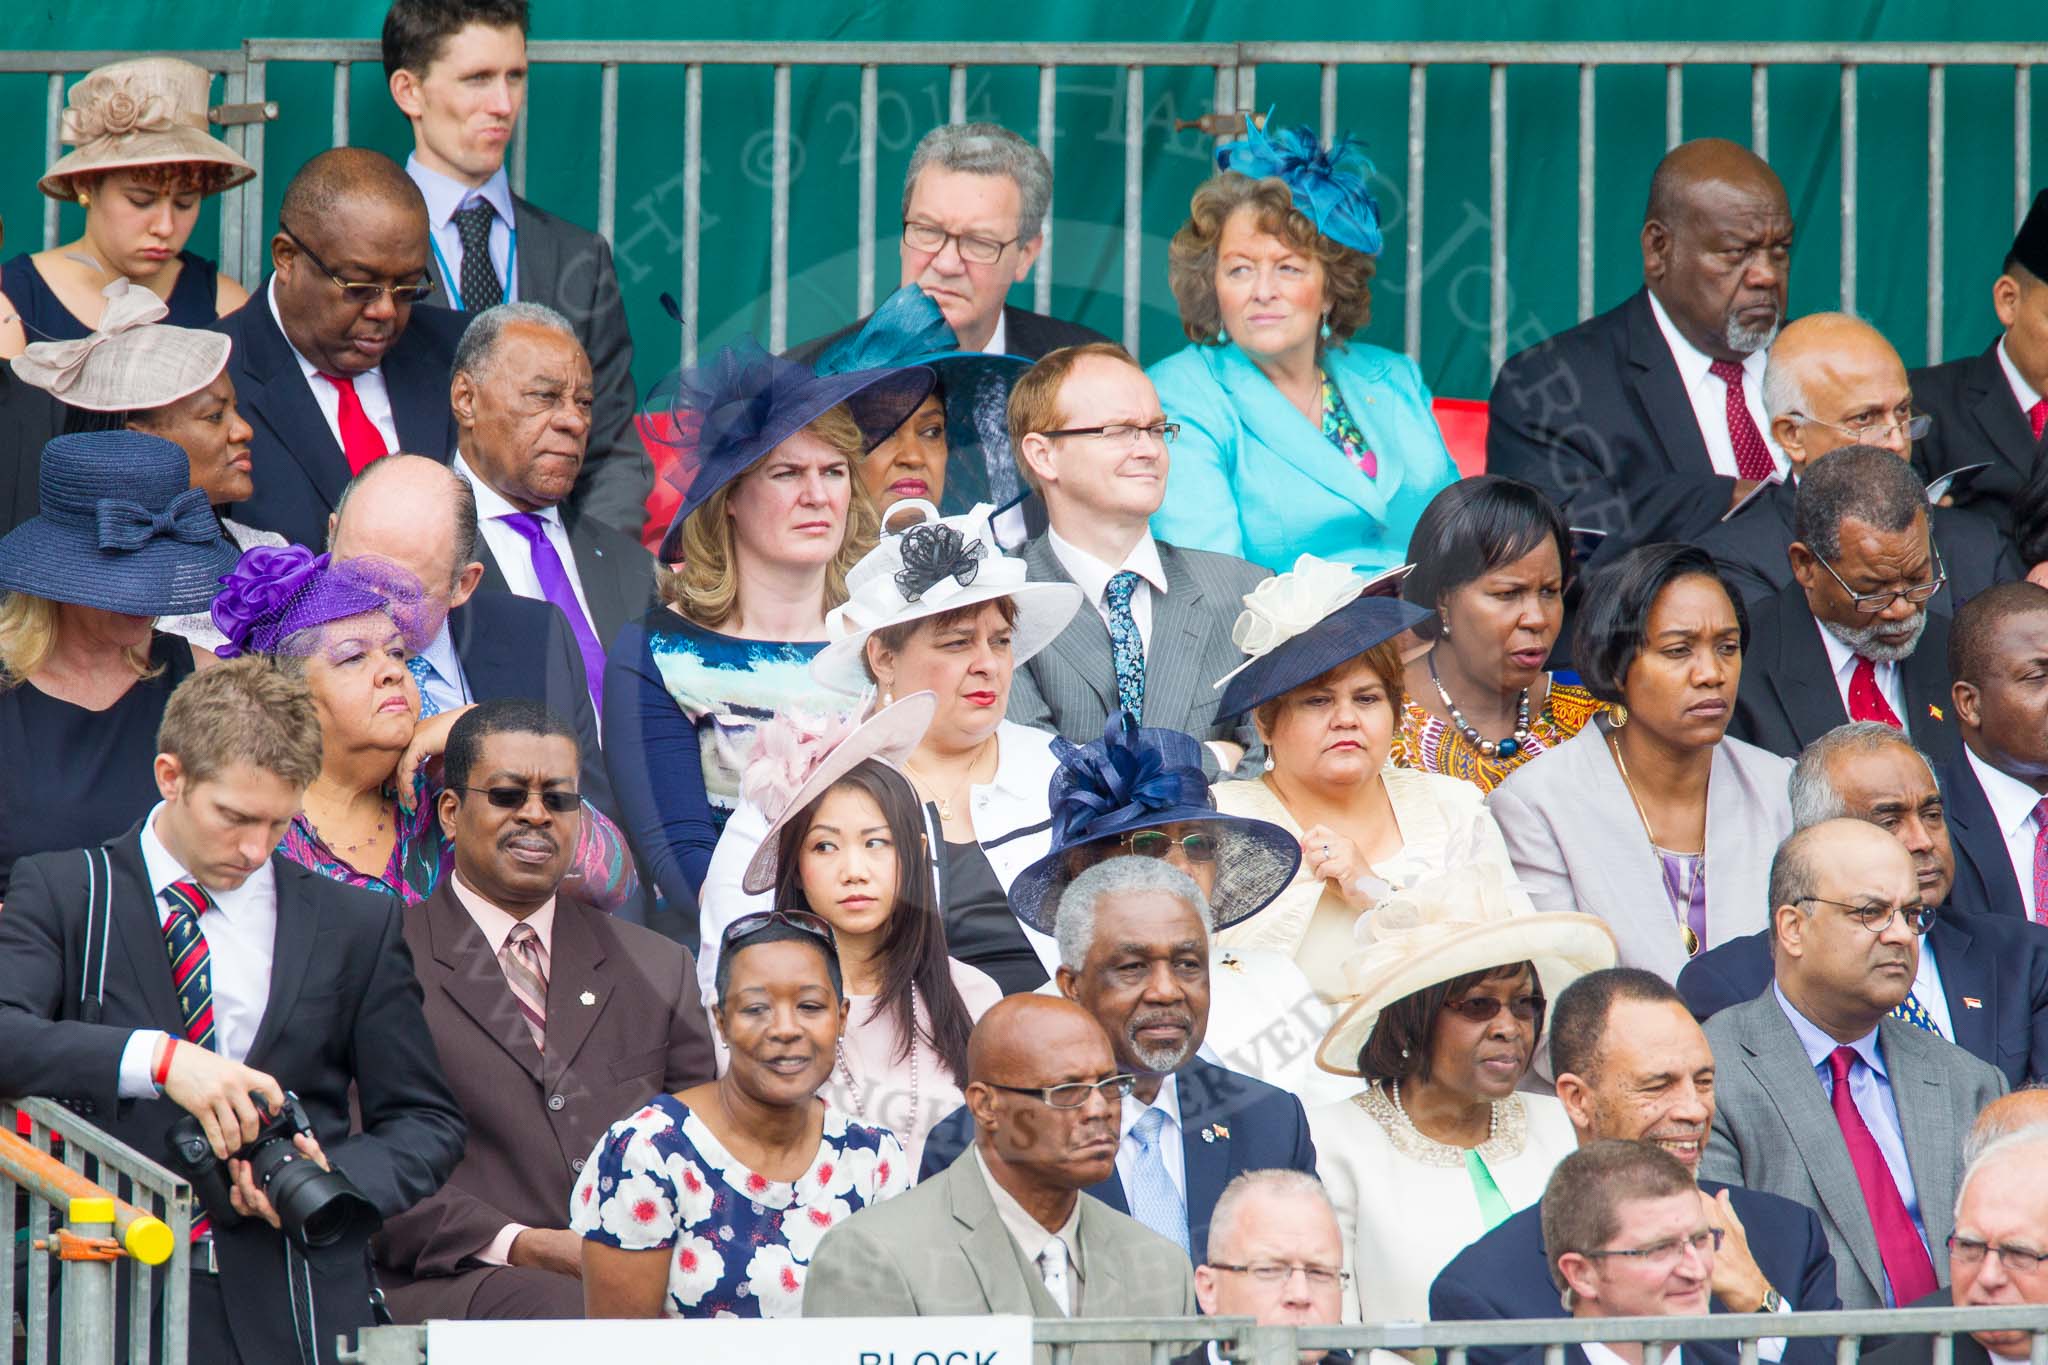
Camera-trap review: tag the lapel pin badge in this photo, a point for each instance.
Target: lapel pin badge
(1971, 1002)
(1933, 711)
(1214, 1131)
(587, 998)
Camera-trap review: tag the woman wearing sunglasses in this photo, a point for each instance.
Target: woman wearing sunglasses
(370, 818)
(1447, 1001)
(1323, 683)
(709, 1203)
(849, 844)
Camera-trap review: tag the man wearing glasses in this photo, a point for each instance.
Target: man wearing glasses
(1627, 1238)
(1851, 638)
(1007, 1228)
(335, 362)
(1827, 1098)
(1275, 1256)
(1834, 381)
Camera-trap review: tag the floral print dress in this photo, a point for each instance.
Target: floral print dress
(739, 1243)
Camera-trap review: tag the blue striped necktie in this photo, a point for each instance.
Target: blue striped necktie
(1155, 1200)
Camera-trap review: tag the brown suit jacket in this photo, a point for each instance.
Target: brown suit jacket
(625, 1022)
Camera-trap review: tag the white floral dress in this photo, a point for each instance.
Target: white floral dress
(740, 1242)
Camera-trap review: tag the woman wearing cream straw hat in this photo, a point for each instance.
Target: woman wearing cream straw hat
(137, 373)
(1449, 992)
(141, 162)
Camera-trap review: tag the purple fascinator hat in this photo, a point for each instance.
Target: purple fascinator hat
(274, 595)
(1328, 184)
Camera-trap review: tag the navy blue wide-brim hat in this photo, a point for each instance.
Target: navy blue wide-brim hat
(1133, 779)
(1337, 638)
(122, 529)
(745, 402)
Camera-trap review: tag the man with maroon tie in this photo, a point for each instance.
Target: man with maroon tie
(1824, 1096)
(1851, 637)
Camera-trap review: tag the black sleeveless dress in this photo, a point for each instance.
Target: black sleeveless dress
(44, 318)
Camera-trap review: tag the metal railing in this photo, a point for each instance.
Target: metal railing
(1251, 1345)
(1235, 69)
(116, 1223)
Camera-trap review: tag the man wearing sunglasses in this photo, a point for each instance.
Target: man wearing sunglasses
(552, 1018)
(1008, 1227)
(1626, 1238)
(335, 361)
(1851, 638)
(1823, 1096)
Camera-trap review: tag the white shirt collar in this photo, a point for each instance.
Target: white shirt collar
(999, 340)
(1030, 1234)
(491, 504)
(440, 652)
(1842, 658)
(1598, 1353)
(164, 868)
(374, 375)
(496, 925)
(1167, 1101)
(2021, 389)
(1092, 576)
(1695, 365)
(2012, 801)
(445, 196)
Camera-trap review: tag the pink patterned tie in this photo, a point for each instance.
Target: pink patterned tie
(526, 972)
(2039, 914)
(1906, 1262)
(1752, 457)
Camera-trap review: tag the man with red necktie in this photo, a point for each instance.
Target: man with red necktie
(1823, 1095)
(1851, 637)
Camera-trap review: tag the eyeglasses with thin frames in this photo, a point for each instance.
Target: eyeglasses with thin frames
(1157, 843)
(1074, 1094)
(1871, 603)
(2018, 1260)
(1876, 433)
(1273, 1274)
(1123, 433)
(1667, 1253)
(1878, 918)
(931, 239)
(362, 293)
(515, 798)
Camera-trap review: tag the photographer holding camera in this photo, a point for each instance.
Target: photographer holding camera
(171, 984)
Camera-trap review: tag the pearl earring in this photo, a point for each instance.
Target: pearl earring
(1269, 765)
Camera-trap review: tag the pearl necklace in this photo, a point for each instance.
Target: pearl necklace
(1488, 748)
(860, 1108)
(1492, 1113)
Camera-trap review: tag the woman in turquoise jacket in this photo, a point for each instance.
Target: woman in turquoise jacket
(1294, 439)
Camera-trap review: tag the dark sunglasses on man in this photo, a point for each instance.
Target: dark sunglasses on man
(555, 802)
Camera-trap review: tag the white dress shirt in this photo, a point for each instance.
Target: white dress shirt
(496, 926)
(1710, 396)
(369, 386)
(1927, 990)
(445, 198)
(1171, 1155)
(1031, 1236)
(2012, 806)
(1842, 659)
(1092, 576)
(446, 684)
(512, 550)
(241, 939)
(999, 339)
(2023, 392)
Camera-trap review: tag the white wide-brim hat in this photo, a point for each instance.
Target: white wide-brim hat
(1443, 928)
(795, 761)
(937, 565)
(132, 362)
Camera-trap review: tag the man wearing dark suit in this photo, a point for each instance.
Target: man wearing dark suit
(457, 70)
(1823, 1096)
(1991, 407)
(291, 982)
(419, 515)
(1151, 600)
(1627, 421)
(521, 398)
(327, 381)
(1983, 978)
(1852, 637)
(1189, 1126)
(619, 1020)
(1834, 381)
(974, 203)
(1997, 775)
(1631, 1064)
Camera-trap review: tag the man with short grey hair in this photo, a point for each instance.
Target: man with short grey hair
(1276, 1256)
(522, 397)
(975, 200)
(1133, 935)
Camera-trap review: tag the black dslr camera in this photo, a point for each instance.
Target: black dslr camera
(317, 1208)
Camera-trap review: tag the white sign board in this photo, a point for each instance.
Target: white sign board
(731, 1341)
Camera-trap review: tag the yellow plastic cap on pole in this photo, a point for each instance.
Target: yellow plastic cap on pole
(91, 1209)
(149, 1240)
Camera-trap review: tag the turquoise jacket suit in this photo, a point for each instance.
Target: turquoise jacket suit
(1252, 477)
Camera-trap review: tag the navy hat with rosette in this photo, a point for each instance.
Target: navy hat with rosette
(122, 529)
(1299, 625)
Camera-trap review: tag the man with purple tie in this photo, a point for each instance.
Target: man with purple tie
(522, 400)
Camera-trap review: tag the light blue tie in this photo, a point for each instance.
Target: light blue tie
(421, 670)
(1154, 1200)
(1126, 646)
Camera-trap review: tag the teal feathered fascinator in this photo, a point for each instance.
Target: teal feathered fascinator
(1328, 183)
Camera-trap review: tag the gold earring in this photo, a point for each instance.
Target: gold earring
(84, 200)
(1617, 715)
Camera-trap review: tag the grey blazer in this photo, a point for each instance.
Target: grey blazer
(1577, 843)
(1070, 685)
(941, 1250)
(1775, 1131)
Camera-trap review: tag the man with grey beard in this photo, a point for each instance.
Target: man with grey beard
(1851, 637)
(1134, 952)
(1647, 422)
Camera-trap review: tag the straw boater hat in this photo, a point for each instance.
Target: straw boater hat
(937, 565)
(796, 759)
(149, 112)
(1440, 929)
(130, 364)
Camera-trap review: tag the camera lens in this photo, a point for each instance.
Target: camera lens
(319, 1207)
